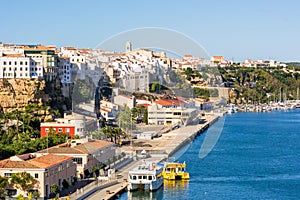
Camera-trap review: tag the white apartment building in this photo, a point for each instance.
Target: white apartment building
(136, 81)
(19, 66)
(108, 110)
(171, 111)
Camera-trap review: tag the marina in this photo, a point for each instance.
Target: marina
(256, 159)
(163, 147)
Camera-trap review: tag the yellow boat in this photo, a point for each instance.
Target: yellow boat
(175, 170)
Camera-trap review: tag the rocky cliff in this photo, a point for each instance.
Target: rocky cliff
(17, 93)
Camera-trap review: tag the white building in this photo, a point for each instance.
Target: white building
(86, 153)
(19, 66)
(47, 169)
(170, 111)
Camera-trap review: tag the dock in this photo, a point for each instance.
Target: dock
(160, 149)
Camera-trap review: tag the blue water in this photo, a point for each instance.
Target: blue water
(256, 157)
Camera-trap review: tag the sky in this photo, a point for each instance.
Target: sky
(235, 29)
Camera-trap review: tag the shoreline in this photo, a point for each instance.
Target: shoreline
(166, 146)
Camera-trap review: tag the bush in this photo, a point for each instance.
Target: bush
(65, 184)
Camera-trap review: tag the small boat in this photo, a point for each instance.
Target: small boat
(175, 170)
(147, 176)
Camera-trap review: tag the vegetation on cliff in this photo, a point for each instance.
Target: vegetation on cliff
(19, 131)
(260, 85)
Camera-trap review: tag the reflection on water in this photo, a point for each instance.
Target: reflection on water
(145, 195)
(176, 185)
(172, 187)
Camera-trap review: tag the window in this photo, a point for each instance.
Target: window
(77, 160)
(4, 63)
(26, 63)
(133, 177)
(36, 175)
(11, 192)
(21, 68)
(140, 177)
(145, 177)
(21, 62)
(9, 62)
(59, 129)
(149, 178)
(47, 130)
(67, 130)
(8, 175)
(15, 62)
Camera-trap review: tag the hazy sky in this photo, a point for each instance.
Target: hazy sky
(236, 29)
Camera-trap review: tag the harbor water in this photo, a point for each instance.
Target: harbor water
(256, 157)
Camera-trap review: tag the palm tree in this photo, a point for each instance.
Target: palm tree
(108, 132)
(117, 132)
(124, 119)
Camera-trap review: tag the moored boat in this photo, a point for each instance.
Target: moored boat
(147, 176)
(175, 170)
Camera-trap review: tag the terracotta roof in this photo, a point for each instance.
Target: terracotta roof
(169, 102)
(90, 147)
(218, 57)
(7, 163)
(40, 47)
(13, 55)
(85, 148)
(48, 160)
(62, 150)
(41, 162)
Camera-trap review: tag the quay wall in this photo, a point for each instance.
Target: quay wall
(193, 135)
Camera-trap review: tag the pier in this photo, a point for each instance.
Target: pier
(159, 148)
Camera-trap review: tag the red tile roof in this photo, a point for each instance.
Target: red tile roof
(169, 102)
(48, 160)
(41, 162)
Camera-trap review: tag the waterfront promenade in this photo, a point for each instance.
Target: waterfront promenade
(159, 148)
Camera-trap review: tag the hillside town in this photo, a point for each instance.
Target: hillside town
(101, 88)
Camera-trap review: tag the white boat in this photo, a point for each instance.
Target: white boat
(147, 176)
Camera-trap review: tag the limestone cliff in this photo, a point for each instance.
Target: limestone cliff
(17, 93)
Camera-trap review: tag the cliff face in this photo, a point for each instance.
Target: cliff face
(17, 93)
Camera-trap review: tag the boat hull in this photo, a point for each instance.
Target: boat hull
(154, 185)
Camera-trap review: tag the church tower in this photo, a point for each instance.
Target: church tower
(128, 47)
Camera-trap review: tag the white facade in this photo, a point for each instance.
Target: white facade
(170, 116)
(19, 66)
(137, 81)
(64, 70)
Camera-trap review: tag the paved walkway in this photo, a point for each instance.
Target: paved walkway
(122, 176)
(168, 143)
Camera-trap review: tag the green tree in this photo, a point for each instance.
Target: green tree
(124, 119)
(23, 181)
(54, 189)
(3, 186)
